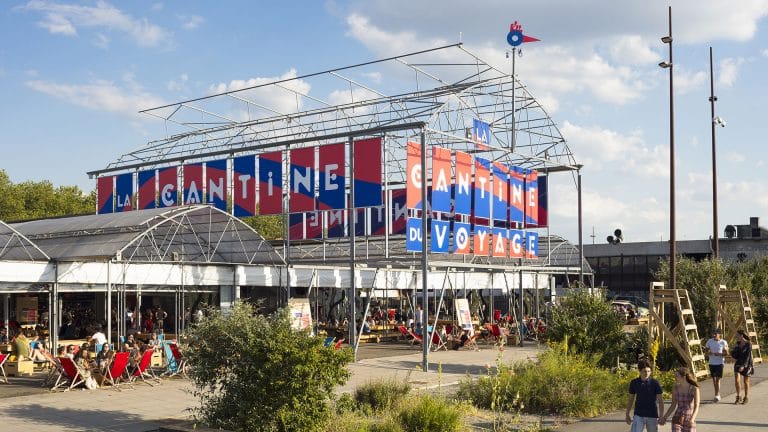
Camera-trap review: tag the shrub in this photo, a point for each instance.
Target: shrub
(588, 325)
(256, 373)
(381, 395)
(429, 413)
(558, 383)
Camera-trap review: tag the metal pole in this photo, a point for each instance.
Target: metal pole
(712, 99)
(424, 258)
(520, 322)
(672, 237)
(581, 245)
(351, 228)
(514, 51)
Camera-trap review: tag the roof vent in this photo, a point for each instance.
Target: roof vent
(730, 231)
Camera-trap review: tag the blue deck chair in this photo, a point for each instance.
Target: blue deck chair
(329, 341)
(171, 366)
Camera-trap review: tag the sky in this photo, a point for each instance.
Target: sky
(75, 74)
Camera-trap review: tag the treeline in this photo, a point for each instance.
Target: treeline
(38, 200)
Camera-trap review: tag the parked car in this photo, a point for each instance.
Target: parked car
(632, 299)
(640, 310)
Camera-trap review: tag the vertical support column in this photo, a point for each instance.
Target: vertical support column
(581, 244)
(352, 252)
(424, 257)
(109, 301)
(520, 313)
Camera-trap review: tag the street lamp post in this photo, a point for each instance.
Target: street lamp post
(672, 238)
(715, 121)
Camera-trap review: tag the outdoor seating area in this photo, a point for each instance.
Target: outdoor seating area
(92, 365)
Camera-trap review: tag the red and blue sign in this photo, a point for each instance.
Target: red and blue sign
(216, 177)
(193, 184)
(367, 172)
(462, 189)
(414, 235)
(244, 186)
(500, 192)
(302, 180)
(124, 193)
(516, 191)
(271, 183)
(106, 195)
(147, 189)
(441, 235)
(481, 134)
(169, 188)
(462, 233)
(482, 189)
(531, 199)
(332, 179)
(441, 179)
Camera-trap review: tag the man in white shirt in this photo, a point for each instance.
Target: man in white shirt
(718, 349)
(99, 337)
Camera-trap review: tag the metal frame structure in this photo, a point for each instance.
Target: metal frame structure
(431, 97)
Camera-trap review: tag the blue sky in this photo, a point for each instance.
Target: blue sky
(73, 76)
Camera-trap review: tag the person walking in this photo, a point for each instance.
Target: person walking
(685, 402)
(718, 349)
(742, 367)
(645, 396)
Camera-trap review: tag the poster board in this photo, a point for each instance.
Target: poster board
(464, 315)
(26, 310)
(301, 313)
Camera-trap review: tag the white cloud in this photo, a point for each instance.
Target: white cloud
(282, 100)
(375, 77)
(65, 19)
(549, 102)
(735, 157)
(157, 7)
(178, 85)
(191, 22)
(633, 50)
(688, 81)
(729, 70)
(341, 97)
(764, 52)
(101, 41)
(101, 95)
(605, 150)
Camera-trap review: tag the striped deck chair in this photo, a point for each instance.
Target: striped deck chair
(180, 361)
(472, 342)
(171, 364)
(3, 359)
(437, 342)
(142, 371)
(72, 373)
(417, 339)
(338, 344)
(116, 370)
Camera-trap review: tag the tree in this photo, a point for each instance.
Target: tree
(37, 200)
(270, 226)
(702, 280)
(257, 373)
(589, 325)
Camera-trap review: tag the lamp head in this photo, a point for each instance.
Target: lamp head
(665, 65)
(666, 39)
(718, 121)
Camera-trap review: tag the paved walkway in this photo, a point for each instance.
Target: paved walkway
(722, 416)
(146, 408)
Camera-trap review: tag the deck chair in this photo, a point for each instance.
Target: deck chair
(497, 334)
(416, 338)
(142, 371)
(116, 370)
(338, 344)
(180, 361)
(403, 331)
(438, 343)
(3, 359)
(72, 373)
(472, 342)
(329, 341)
(56, 375)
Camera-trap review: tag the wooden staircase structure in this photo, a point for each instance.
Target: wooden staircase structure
(684, 334)
(734, 313)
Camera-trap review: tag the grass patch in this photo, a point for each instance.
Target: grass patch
(378, 396)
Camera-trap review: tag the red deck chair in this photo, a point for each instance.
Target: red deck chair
(438, 343)
(116, 369)
(71, 373)
(472, 342)
(181, 363)
(142, 370)
(3, 359)
(338, 344)
(56, 376)
(497, 334)
(403, 331)
(416, 338)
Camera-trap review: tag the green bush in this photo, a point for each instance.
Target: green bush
(570, 385)
(429, 413)
(381, 395)
(588, 325)
(256, 373)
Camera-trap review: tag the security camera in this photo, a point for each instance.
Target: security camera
(718, 121)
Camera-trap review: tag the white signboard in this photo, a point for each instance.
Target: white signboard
(301, 313)
(465, 317)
